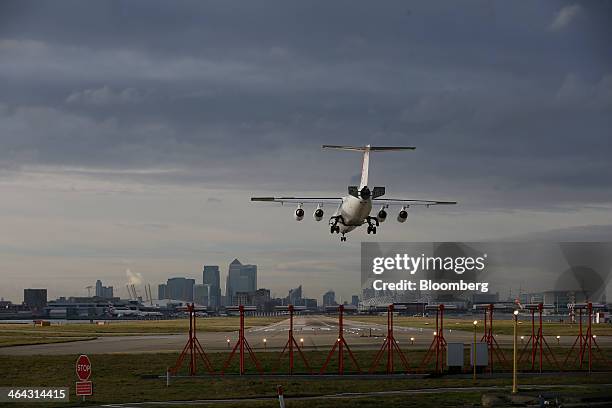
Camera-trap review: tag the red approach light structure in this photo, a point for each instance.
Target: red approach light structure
(340, 343)
(389, 345)
(488, 337)
(537, 339)
(193, 348)
(437, 347)
(290, 345)
(585, 341)
(241, 344)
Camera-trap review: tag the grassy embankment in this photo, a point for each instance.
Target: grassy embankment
(121, 378)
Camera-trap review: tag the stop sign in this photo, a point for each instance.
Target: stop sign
(83, 367)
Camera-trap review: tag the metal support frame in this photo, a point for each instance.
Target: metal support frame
(241, 344)
(193, 348)
(340, 343)
(290, 346)
(585, 340)
(488, 338)
(538, 341)
(389, 345)
(438, 344)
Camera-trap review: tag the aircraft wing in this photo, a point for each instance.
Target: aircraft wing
(394, 201)
(300, 200)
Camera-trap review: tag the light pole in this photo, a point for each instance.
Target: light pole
(412, 340)
(558, 340)
(514, 384)
(474, 350)
(265, 342)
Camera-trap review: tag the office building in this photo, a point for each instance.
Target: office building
(260, 298)
(295, 296)
(329, 298)
(35, 299)
(242, 298)
(240, 278)
(311, 304)
(201, 294)
(161, 291)
(355, 300)
(210, 276)
(105, 292)
(180, 289)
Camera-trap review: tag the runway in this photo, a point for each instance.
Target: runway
(317, 333)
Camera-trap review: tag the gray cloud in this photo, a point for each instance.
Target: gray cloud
(124, 98)
(565, 16)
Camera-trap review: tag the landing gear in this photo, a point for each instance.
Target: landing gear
(372, 221)
(333, 222)
(342, 238)
(372, 224)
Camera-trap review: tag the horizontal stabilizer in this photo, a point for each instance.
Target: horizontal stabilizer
(370, 148)
(366, 156)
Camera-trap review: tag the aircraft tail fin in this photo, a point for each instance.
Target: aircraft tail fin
(366, 156)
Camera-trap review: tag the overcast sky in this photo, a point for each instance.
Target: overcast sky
(132, 134)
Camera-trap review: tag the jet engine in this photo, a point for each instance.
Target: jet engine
(382, 215)
(318, 214)
(365, 193)
(403, 214)
(299, 214)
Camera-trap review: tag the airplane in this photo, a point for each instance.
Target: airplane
(354, 209)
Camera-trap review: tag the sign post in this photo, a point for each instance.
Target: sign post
(84, 387)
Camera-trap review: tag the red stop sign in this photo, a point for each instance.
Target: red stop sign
(83, 367)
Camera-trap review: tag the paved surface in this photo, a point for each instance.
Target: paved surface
(318, 333)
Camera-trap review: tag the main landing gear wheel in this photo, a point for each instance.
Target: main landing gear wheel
(334, 229)
(371, 230)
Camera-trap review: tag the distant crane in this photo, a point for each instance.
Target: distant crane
(88, 290)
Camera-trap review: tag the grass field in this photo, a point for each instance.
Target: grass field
(122, 378)
(499, 326)
(23, 334)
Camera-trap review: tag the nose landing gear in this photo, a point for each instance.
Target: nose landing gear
(342, 238)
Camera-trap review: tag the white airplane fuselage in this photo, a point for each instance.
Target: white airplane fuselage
(354, 212)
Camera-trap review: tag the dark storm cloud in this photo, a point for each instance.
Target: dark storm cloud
(507, 102)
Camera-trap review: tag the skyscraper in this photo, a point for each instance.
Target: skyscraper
(99, 288)
(180, 289)
(161, 291)
(210, 276)
(329, 298)
(201, 294)
(295, 296)
(240, 278)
